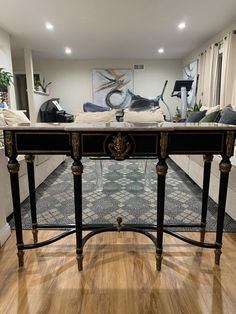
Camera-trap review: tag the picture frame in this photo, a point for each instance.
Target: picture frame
(110, 87)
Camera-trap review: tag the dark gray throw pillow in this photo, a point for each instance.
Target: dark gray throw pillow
(196, 116)
(228, 117)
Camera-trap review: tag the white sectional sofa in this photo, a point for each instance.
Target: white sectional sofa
(193, 166)
(44, 165)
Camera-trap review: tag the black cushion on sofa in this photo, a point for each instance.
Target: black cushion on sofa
(196, 116)
(228, 117)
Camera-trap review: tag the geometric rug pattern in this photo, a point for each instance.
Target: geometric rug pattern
(123, 195)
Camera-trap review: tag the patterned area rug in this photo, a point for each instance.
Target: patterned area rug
(123, 195)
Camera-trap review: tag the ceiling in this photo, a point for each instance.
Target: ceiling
(111, 29)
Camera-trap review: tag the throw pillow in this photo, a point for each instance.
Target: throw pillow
(210, 109)
(144, 116)
(14, 116)
(228, 107)
(211, 117)
(228, 117)
(204, 108)
(93, 117)
(2, 120)
(213, 109)
(196, 116)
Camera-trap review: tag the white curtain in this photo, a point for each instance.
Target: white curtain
(233, 99)
(214, 75)
(228, 76)
(201, 67)
(208, 73)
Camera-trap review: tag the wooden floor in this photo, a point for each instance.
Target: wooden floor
(119, 276)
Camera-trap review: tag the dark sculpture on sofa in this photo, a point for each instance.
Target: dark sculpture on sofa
(137, 103)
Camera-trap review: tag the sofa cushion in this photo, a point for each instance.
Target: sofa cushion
(93, 117)
(196, 116)
(14, 116)
(144, 116)
(2, 123)
(228, 117)
(211, 117)
(2, 120)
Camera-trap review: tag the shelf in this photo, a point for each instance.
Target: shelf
(40, 93)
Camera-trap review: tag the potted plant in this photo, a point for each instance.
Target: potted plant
(195, 107)
(5, 80)
(41, 85)
(177, 115)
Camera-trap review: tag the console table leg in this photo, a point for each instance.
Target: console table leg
(77, 170)
(31, 183)
(20, 255)
(205, 193)
(158, 259)
(218, 253)
(161, 170)
(225, 167)
(79, 257)
(13, 168)
(35, 233)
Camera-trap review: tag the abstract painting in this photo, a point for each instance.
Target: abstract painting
(110, 87)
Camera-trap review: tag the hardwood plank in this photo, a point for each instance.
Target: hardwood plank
(119, 276)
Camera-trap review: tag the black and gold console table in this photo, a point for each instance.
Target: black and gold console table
(119, 141)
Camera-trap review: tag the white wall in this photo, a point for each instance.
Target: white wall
(72, 79)
(6, 62)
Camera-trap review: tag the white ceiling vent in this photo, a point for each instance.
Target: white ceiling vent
(138, 66)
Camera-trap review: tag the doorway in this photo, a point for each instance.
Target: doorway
(21, 92)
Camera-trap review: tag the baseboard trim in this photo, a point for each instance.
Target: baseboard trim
(5, 233)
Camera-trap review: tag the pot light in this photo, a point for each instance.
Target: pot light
(49, 26)
(161, 50)
(181, 25)
(68, 50)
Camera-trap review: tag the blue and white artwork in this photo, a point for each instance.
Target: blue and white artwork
(190, 73)
(110, 87)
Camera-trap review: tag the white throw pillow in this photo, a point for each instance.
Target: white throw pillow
(14, 116)
(144, 116)
(93, 117)
(203, 108)
(2, 120)
(210, 109)
(213, 109)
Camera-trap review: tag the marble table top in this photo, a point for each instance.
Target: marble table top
(120, 126)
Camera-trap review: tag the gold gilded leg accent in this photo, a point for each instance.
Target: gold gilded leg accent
(79, 258)
(218, 253)
(35, 235)
(20, 255)
(202, 234)
(158, 261)
(119, 224)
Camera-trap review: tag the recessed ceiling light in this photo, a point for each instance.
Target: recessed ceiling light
(181, 25)
(49, 26)
(68, 50)
(161, 50)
